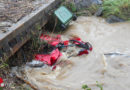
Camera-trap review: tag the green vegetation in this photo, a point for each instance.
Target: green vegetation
(3, 62)
(99, 85)
(70, 5)
(119, 8)
(93, 8)
(87, 11)
(1, 88)
(85, 87)
(83, 11)
(38, 27)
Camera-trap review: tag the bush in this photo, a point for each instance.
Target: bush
(119, 8)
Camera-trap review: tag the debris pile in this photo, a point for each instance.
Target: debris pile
(55, 44)
(53, 60)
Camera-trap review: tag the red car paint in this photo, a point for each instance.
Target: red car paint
(1, 82)
(51, 59)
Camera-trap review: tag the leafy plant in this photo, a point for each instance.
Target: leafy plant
(99, 85)
(120, 8)
(85, 87)
(71, 5)
(3, 63)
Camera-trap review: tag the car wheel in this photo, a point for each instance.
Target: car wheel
(63, 26)
(74, 17)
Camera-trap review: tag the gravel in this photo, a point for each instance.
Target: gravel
(11, 11)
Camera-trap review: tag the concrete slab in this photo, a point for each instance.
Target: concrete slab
(20, 33)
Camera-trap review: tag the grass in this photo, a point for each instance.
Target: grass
(3, 62)
(82, 11)
(119, 8)
(70, 5)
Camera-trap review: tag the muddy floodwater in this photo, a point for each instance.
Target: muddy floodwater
(108, 63)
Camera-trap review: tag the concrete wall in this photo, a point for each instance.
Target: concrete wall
(21, 32)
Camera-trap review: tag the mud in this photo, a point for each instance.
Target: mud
(108, 63)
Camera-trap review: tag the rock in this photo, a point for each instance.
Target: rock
(86, 3)
(5, 24)
(35, 63)
(114, 19)
(99, 12)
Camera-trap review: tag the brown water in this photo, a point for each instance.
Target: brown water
(113, 71)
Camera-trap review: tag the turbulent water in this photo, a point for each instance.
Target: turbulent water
(108, 63)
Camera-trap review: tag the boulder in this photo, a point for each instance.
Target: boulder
(86, 3)
(114, 19)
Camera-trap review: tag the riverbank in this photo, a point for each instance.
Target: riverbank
(112, 10)
(26, 53)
